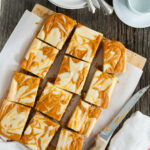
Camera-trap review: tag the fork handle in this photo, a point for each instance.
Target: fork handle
(91, 6)
(107, 9)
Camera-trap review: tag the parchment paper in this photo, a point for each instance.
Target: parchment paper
(15, 49)
(124, 89)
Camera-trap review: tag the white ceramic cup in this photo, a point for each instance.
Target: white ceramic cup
(139, 6)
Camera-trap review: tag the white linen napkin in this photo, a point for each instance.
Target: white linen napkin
(134, 135)
(7, 145)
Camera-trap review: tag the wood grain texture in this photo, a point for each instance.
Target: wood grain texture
(136, 39)
(41, 11)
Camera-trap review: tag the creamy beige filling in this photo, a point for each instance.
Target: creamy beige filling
(39, 132)
(23, 89)
(84, 43)
(72, 74)
(39, 58)
(101, 89)
(56, 29)
(13, 118)
(53, 101)
(69, 140)
(114, 56)
(84, 118)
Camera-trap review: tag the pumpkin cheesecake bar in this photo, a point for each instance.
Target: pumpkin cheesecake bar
(84, 118)
(72, 74)
(84, 43)
(53, 101)
(101, 88)
(114, 56)
(56, 30)
(23, 89)
(39, 132)
(69, 140)
(13, 118)
(39, 58)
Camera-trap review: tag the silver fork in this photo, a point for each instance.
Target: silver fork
(107, 9)
(91, 6)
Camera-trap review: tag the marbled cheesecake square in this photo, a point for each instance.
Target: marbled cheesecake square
(56, 30)
(114, 56)
(39, 58)
(13, 118)
(72, 74)
(84, 43)
(69, 140)
(53, 101)
(23, 89)
(84, 118)
(39, 132)
(101, 88)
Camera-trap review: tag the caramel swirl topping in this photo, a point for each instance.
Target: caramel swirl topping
(114, 56)
(72, 74)
(75, 141)
(56, 29)
(39, 58)
(84, 118)
(39, 132)
(53, 101)
(84, 43)
(23, 89)
(100, 89)
(13, 118)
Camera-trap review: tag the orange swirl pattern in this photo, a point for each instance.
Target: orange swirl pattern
(84, 118)
(84, 43)
(114, 56)
(53, 101)
(23, 89)
(56, 29)
(13, 118)
(39, 58)
(101, 89)
(72, 74)
(69, 140)
(39, 132)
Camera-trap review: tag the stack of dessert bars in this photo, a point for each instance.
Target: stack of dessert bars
(38, 132)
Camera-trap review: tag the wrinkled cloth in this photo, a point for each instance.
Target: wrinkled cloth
(8, 145)
(134, 135)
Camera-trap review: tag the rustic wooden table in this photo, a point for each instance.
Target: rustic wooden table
(137, 40)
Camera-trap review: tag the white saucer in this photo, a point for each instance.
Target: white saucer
(129, 17)
(69, 4)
